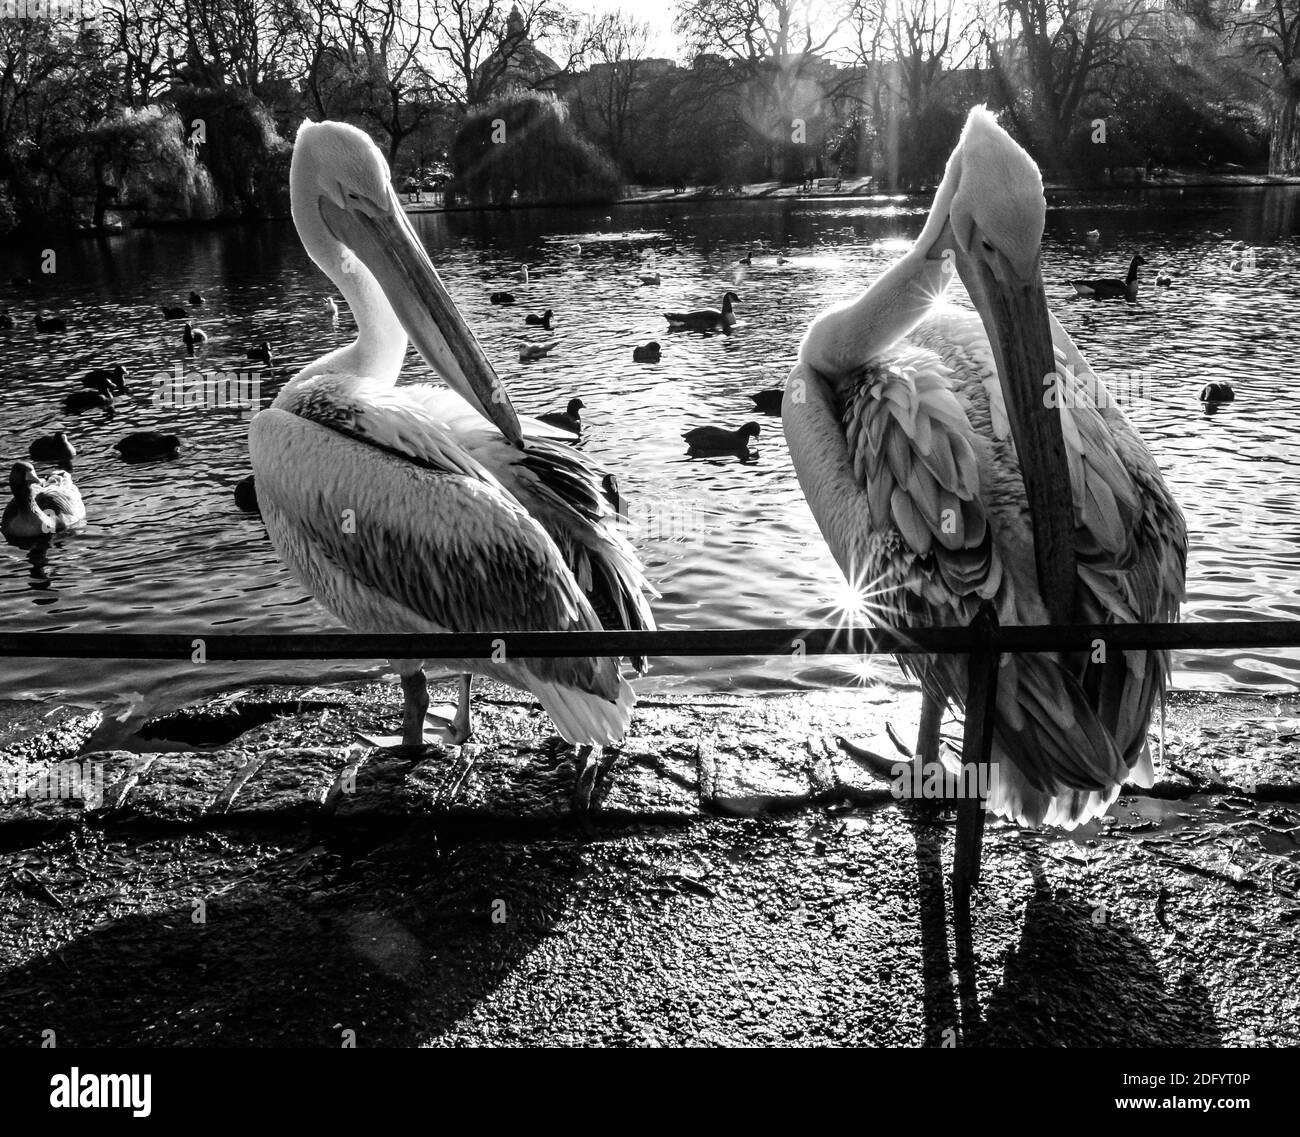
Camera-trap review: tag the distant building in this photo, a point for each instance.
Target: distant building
(525, 64)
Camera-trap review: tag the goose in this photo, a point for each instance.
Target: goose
(40, 508)
(706, 319)
(106, 378)
(532, 352)
(193, 335)
(769, 401)
(542, 321)
(46, 325)
(646, 353)
(1112, 288)
(567, 419)
(146, 445)
(173, 312)
(262, 353)
(467, 519)
(56, 447)
(97, 400)
(716, 440)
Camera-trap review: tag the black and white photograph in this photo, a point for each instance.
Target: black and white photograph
(610, 524)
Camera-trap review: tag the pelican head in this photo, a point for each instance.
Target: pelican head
(346, 210)
(990, 212)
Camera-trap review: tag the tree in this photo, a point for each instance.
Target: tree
(1267, 32)
(605, 98)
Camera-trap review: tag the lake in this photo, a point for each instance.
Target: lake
(727, 543)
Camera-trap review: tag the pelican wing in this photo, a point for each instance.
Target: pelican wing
(393, 526)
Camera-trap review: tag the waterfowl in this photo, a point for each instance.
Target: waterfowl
(262, 353)
(106, 378)
(97, 400)
(331, 308)
(501, 298)
(146, 445)
(173, 312)
(542, 321)
(646, 353)
(716, 440)
(769, 401)
(56, 447)
(466, 520)
(706, 318)
(1235, 266)
(48, 324)
(195, 299)
(648, 277)
(748, 258)
(6, 319)
(193, 335)
(246, 494)
(567, 419)
(1163, 280)
(1239, 247)
(532, 352)
(522, 274)
(1220, 392)
(1112, 288)
(942, 479)
(40, 508)
(781, 258)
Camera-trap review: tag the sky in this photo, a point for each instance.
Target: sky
(657, 13)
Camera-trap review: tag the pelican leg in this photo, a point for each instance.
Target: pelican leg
(462, 726)
(927, 738)
(586, 765)
(415, 694)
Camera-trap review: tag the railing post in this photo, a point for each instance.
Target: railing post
(976, 745)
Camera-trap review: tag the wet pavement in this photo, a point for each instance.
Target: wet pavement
(238, 878)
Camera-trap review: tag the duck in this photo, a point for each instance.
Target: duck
(40, 508)
(146, 445)
(106, 378)
(246, 494)
(193, 335)
(567, 419)
(748, 258)
(1164, 280)
(532, 352)
(648, 277)
(1239, 247)
(542, 321)
(6, 319)
(262, 353)
(195, 299)
(331, 308)
(646, 353)
(522, 274)
(768, 402)
(47, 324)
(716, 440)
(96, 400)
(56, 447)
(173, 312)
(1235, 266)
(501, 298)
(781, 259)
(1092, 236)
(1111, 288)
(706, 318)
(1220, 392)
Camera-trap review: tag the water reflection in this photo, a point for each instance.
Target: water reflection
(727, 540)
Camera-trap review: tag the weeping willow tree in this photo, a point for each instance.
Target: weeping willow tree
(525, 142)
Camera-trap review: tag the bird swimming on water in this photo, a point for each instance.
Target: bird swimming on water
(568, 419)
(768, 402)
(1220, 392)
(705, 440)
(1112, 288)
(542, 321)
(942, 479)
(174, 312)
(246, 494)
(467, 519)
(646, 352)
(532, 352)
(706, 319)
(331, 308)
(195, 299)
(98, 399)
(147, 445)
(192, 335)
(6, 319)
(104, 378)
(56, 447)
(648, 277)
(40, 508)
(501, 298)
(47, 325)
(262, 353)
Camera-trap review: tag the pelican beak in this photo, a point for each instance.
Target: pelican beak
(1013, 308)
(382, 238)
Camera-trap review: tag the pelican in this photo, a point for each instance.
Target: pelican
(399, 508)
(331, 309)
(568, 419)
(706, 319)
(942, 477)
(532, 352)
(1112, 288)
(40, 508)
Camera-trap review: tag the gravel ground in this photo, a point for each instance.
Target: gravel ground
(256, 873)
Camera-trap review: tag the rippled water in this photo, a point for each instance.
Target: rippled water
(727, 543)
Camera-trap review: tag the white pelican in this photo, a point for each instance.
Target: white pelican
(399, 508)
(942, 475)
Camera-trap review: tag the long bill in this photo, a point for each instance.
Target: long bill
(385, 242)
(1013, 308)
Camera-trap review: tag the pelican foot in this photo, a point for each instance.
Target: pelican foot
(450, 730)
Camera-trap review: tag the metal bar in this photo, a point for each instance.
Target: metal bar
(722, 642)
